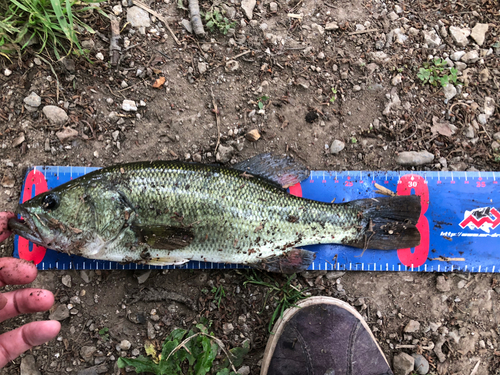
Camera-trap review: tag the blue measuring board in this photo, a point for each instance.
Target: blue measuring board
(459, 223)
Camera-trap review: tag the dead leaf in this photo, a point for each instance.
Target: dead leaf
(442, 127)
(159, 82)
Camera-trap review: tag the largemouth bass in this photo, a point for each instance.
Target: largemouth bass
(168, 212)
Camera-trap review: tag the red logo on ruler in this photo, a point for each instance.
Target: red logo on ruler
(480, 218)
(36, 180)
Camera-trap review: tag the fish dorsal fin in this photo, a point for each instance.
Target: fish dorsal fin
(284, 171)
(163, 236)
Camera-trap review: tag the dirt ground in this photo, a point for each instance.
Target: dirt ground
(288, 58)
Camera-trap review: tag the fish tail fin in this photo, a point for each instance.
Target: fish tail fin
(295, 260)
(389, 222)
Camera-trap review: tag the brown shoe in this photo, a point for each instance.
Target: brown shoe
(323, 336)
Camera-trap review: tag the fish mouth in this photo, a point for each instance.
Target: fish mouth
(26, 227)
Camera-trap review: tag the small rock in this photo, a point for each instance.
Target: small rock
(393, 16)
(60, 313)
(403, 364)
(125, 345)
(56, 115)
(87, 353)
(470, 57)
(455, 56)
(484, 75)
(151, 331)
(115, 135)
(489, 106)
(117, 9)
(356, 88)
(224, 153)
(273, 7)
(248, 6)
(337, 146)
(84, 274)
(202, 67)
(47, 145)
(479, 32)
(66, 280)
(469, 131)
(88, 44)
(396, 80)
(318, 28)
(67, 134)
(187, 25)
(244, 370)
(138, 17)
(460, 66)
(438, 350)
(459, 35)
(421, 364)
(227, 328)
(99, 56)
(449, 91)
(496, 136)
(380, 57)
(331, 26)
(94, 370)
(8, 180)
(253, 135)
(495, 146)
(33, 100)
(7, 72)
(412, 326)
(431, 38)
(442, 284)
(414, 158)
(129, 105)
(482, 119)
(19, 139)
(142, 276)
(28, 366)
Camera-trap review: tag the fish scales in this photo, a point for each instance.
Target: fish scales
(234, 218)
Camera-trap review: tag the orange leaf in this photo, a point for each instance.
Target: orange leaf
(159, 82)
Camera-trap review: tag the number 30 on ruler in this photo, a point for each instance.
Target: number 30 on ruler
(416, 183)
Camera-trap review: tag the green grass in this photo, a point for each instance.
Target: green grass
(437, 72)
(284, 294)
(215, 20)
(187, 352)
(48, 23)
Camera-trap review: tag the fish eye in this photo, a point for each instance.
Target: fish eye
(50, 201)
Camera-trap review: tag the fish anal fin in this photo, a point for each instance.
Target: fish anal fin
(295, 260)
(166, 261)
(282, 171)
(163, 237)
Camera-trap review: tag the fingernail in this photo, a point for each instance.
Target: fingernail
(3, 301)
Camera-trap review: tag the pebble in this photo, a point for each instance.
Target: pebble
(151, 331)
(99, 56)
(129, 105)
(356, 88)
(227, 328)
(484, 75)
(33, 100)
(66, 280)
(202, 67)
(117, 9)
(28, 366)
(87, 353)
(318, 28)
(19, 140)
(86, 277)
(496, 136)
(187, 25)
(393, 16)
(94, 370)
(125, 345)
(421, 364)
(442, 284)
(273, 7)
(489, 106)
(55, 115)
(8, 180)
(495, 145)
(479, 32)
(459, 35)
(224, 153)
(460, 66)
(450, 91)
(412, 326)
(67, 134)
(60, 313)
(331, 26)
(403, 364)
(482, 119)
(397, 80)
(470, 57)
(469, 131)
(138, 17)
(457, 55)
(414, 158)
(248, 6)
(142, 276)
(431, 38)
(7, 72)
(337, 146)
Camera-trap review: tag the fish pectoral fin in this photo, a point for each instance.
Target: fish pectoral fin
(163, 236)
(282, 171)
(295, 260)
(166, 261)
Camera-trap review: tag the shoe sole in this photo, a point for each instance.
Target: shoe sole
(289, 313)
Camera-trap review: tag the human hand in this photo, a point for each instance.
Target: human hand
(21, 301)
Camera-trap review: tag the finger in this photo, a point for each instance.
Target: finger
(4, 229)
(15, 342)
(24, 301)
(16, 271)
